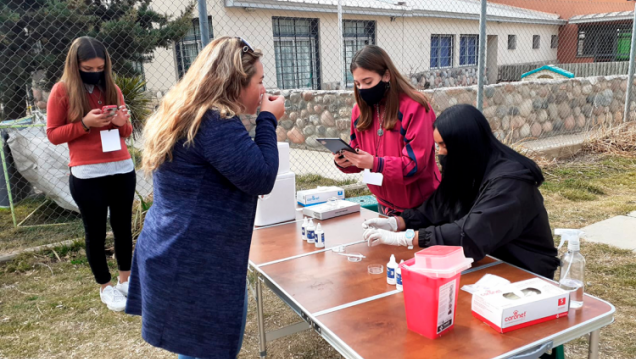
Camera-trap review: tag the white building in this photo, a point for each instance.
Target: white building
(430, 40)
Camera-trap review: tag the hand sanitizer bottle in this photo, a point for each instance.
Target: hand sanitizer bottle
(572, 276)
(390, 270)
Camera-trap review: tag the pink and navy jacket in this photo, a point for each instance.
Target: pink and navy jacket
(404, 155)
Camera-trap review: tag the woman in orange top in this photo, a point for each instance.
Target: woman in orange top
(102, 173)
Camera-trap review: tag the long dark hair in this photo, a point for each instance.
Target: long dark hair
(83, 49)
(374, 58)
(471, 144)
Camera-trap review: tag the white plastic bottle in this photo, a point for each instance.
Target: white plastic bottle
(398, 277)
(390, 270)
(304, 229)
(572, 276)
(320, 237)
(311, 231)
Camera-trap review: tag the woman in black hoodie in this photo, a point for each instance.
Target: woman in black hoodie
(488, 201)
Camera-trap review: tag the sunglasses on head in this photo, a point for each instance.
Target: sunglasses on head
(246, 45)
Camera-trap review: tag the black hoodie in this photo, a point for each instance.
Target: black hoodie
(508, 221)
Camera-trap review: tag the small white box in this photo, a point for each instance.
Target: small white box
(505, 311)
(283, 157)
(331, 209)
(319, 195)
(278, 206)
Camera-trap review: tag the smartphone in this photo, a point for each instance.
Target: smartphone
(335, 145)
(110, 110)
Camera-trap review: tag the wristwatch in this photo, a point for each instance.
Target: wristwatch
(409, 234)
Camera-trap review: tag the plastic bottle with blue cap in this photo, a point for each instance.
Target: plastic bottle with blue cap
(572, 274)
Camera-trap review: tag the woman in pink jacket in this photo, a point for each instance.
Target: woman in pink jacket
(392, 132)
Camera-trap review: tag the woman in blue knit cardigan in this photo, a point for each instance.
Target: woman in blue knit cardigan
(190, 263)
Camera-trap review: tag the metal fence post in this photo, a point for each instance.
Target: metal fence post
(630, 76)
(5, 168)
(343, 78)
(203, 23)
(482, 55)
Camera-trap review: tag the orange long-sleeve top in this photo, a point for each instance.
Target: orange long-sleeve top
(85, 147)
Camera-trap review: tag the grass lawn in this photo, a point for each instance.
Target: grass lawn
(60, 225)
(50, 308)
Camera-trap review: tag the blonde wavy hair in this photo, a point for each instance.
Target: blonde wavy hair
(214, 81)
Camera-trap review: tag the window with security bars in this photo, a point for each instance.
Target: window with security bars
(357, 34)
(554, 42)
(605, 43)
(296, 48)
(512, 42)
(441, 51)
(536, 41)
(188, 48)
(468, 50)
(138, 66)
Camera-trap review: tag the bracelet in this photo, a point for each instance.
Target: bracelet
(86, 128)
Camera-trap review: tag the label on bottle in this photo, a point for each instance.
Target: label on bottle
(311, 236)
(446, 306)
(399, 278)
(390, 275)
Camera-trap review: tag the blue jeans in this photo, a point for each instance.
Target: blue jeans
(240, 344)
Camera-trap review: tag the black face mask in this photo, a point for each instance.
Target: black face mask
(372, 96)
(442, 161)
(91, 78)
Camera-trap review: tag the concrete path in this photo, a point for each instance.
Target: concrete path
(619, 231)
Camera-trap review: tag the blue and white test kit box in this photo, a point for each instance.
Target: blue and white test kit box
(319, 195)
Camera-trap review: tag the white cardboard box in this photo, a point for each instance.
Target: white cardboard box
(283, 157)
(331, 210)
(503, 312)
(278, 206)
(319, 195)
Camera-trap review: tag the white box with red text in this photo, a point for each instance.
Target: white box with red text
(504, 310)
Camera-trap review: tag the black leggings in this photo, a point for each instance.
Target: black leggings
(94, 196)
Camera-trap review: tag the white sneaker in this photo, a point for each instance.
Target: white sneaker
(113, 299)
(122, 287)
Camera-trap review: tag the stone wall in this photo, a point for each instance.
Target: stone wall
(442, 78)
(516, 111)
(435, 78)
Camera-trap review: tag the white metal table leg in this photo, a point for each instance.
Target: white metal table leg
(595, 337)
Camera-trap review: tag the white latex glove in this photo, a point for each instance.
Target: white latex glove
(389, 224)
(375, 236)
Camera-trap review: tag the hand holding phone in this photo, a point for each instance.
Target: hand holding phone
(109, 110)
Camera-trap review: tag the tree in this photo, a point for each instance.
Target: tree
(35, 36)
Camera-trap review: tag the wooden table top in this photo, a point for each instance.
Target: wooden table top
(377, 329)
(328, 286)
(284, 241)
(334, 280)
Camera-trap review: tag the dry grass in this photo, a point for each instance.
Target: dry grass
(619, 140)
(50, 308)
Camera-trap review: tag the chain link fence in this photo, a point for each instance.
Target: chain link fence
(545, 72)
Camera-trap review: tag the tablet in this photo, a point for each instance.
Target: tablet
(335, 145)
